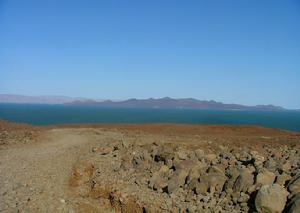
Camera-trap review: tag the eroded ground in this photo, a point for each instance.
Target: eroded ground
(148, 168)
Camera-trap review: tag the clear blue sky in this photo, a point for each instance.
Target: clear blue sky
(241, 51)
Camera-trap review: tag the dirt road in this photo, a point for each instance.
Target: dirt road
(34, 177)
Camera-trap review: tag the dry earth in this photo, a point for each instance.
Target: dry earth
(148, 168)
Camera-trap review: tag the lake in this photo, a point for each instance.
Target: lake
(38, 114)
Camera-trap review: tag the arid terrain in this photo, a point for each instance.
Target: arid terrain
(148, 168)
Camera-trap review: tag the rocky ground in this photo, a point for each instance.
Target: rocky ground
(17, 134)
(152, 168)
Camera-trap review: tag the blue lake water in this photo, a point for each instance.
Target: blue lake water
(64, 114)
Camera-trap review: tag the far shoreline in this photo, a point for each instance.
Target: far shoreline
(164, 127)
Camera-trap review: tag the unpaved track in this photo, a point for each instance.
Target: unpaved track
(34, 177)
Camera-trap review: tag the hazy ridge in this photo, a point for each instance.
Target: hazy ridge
(166, 102)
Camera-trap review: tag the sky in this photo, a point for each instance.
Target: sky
(234, 51)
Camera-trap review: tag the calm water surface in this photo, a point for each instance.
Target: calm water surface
(63, 114)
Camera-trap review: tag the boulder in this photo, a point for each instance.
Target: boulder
(271, 165)
(199, 154)
(294, 184)
(232, 172)
(265, 177)
(244, 181)
(182, 170)
(159, 179)
(243, 156)
(177, 180)
(282, 179)
(293, 205)
(286, 167)
(243, 198)
(271, 199)
(163, 153)
(182, 154)
(211, 157)
(195, 171)
(258, 160)
(210, 182)
(215, 170)
(276, 154)
(141, 159)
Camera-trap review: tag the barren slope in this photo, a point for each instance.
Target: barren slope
(96, 168)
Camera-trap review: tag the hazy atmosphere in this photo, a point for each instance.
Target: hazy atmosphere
(244, 52)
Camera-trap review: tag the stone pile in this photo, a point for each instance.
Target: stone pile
(158, 177)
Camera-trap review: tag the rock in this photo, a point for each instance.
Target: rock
(183, 170)
(276, 154)
(195, 172)
(210, 157)
(177, 180)
(293, 205)
(104, 150)
(286, 167)
(232, 172)
(159, 179)
(243, 157)
(243, 198)
(141, 159)
(244, 181)
(282, 179)
(164, 153)
(294, 184)
(181, 154)
(271, 199)
(258, 160)
(215, 170)
(192, 184)
(265, 177)
(210, 182)
(126, 162)
(199, 154)
(271, 165)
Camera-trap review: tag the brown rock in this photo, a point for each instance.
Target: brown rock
(244, 181)
(294, 184)
(293, 205)
(182, 154)
(210, 181)
(271, 199)
(282, 179)
(286, 167)
(271, 165)
(265, 177)
(199, 154)
(177, 180)
(210, 157)
(159, 179)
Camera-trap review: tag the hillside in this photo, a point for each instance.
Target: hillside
(167, 102)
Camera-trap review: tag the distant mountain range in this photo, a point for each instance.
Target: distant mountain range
(166, 102)
(45, 99)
